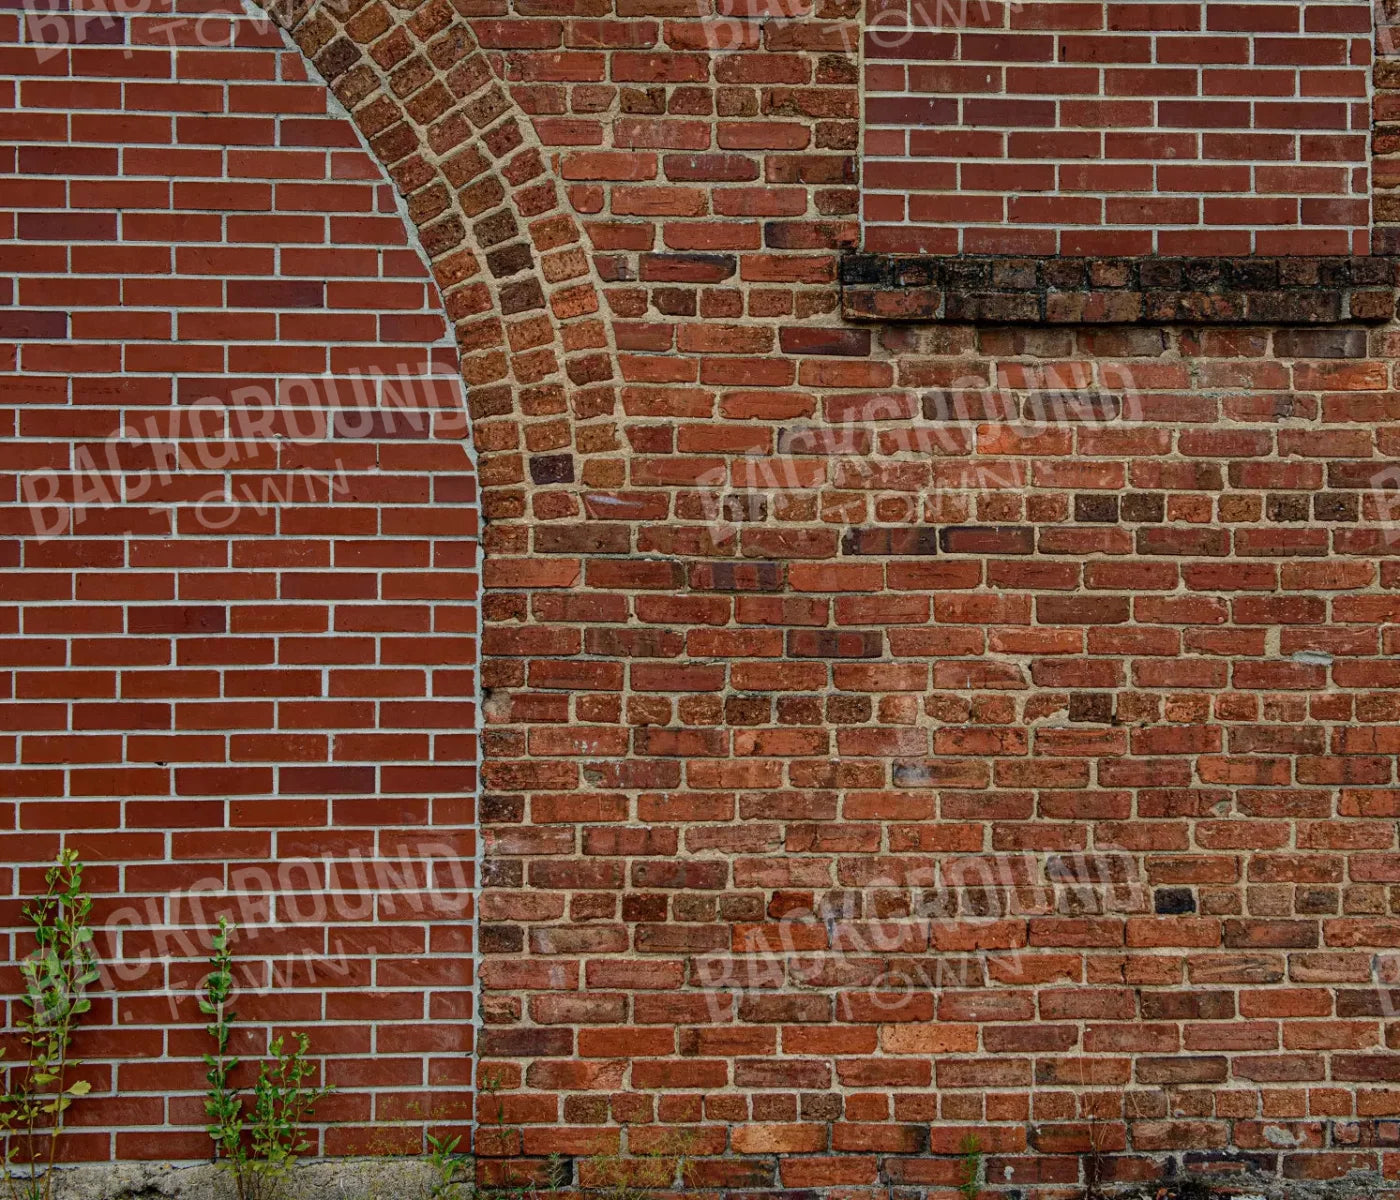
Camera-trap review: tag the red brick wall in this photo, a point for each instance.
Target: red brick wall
(242, 576)
(1121, 128)
(1008, 773)
(890, 732)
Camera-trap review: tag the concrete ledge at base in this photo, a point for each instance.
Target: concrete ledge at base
(1205, 1175)
(1004, 290)
(312, 1179)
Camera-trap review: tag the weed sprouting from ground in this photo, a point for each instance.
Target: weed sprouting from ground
(258, 1147)
(56, 978)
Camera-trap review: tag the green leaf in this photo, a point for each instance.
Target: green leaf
(81, 1088)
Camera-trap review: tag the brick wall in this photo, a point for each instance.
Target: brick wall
(1120, 128)
(240, 626)
(1014, 772)
(890, 731)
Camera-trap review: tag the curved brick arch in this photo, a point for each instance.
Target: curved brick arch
(505, 248)
(519, 293)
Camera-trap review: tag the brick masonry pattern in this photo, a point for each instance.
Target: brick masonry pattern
(1120, 128)
(891, 732)
(241, 542)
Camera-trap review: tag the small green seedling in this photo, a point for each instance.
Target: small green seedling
(971, 1167)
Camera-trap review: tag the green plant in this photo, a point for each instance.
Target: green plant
(491, 1087)
(258, 1149)
(971, 1167)
(56, 978)
(639, 1175)
(447, 1166)
(222, 1104)
(558, 1167)
(556, 1172)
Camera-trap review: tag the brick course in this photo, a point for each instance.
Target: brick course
(1118, 291)
(889, 731)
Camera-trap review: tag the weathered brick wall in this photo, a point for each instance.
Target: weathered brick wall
(1120, 128)
(1005, 772)
(891, 731)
